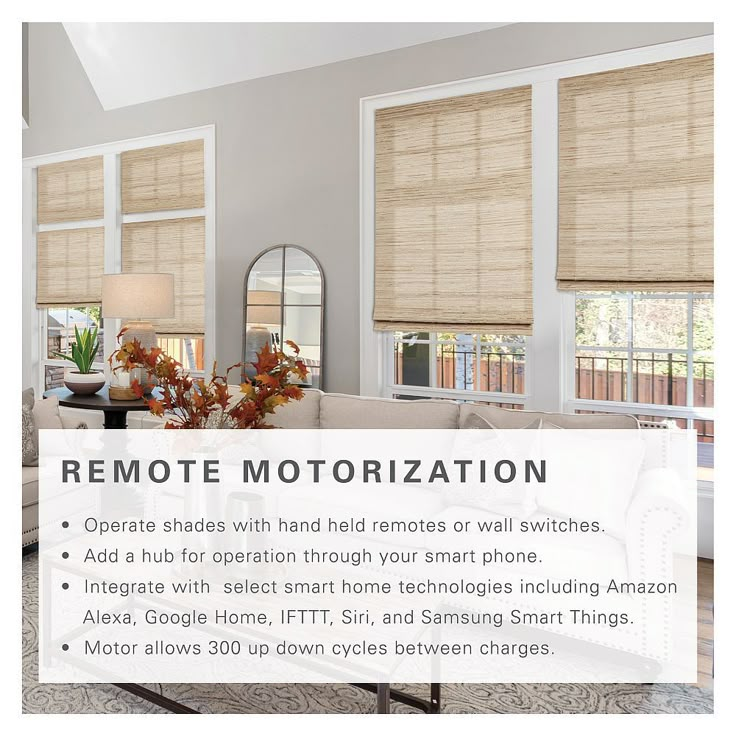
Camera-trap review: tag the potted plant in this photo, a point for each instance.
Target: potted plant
(84, 380)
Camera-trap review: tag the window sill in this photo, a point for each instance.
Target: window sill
(429, 392)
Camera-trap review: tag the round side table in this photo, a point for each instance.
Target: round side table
(116, 412)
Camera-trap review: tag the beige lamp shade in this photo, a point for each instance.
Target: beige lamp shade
(264, 307)
(138, 295)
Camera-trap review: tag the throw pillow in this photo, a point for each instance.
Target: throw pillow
(512, 499)
(544, 424)
(475, 421)
(29, 432)
(46, 415)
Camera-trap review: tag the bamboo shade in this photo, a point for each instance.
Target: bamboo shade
(70, 190)
(636, 178)
(169, 177)
(453, 214)
(171, 246)
(69, 267)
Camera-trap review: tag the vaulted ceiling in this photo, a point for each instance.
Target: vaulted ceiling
(130, 63)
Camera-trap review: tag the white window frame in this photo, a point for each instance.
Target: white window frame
(495, 397)
(689, 412)
(548, 379)
(113, 219)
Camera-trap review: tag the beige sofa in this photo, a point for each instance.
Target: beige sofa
(30, 506)
(318, 410)
(29, 477)
(650, 508)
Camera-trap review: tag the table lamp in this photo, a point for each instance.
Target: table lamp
(264, 308)
(136, 298)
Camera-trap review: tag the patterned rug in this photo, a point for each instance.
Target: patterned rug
(299, 698)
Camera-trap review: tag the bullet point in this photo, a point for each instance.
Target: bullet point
(65, 555)
(65, 647)
(65, 586)
(65, 524)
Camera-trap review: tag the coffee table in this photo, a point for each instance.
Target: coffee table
(116, 412)
(384, 693)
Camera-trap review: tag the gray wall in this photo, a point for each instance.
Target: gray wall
(287, 146)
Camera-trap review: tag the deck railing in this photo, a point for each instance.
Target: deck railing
(657, 378)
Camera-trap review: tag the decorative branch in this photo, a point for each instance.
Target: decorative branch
(193, 403)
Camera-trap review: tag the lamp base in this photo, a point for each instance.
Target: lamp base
(146, 336)
(143, 332)
(255, 338)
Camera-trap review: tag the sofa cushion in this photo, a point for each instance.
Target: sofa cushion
(475, 421)
(341, 411)
(515, 499)
(30, 485)
(302, 414)
(519, 419)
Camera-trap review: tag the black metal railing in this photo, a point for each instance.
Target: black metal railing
(657, 378)
(499, 372)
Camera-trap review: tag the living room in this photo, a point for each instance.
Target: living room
(461, 225)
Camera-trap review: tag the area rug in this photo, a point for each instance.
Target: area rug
(299, 698)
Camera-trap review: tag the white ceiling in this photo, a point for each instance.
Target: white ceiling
(129, 63)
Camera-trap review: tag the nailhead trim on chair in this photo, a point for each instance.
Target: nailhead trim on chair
(35, 536)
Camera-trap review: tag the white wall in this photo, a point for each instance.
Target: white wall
(287, 147)
(288, 155)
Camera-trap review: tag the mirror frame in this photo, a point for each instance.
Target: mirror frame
(282, 247)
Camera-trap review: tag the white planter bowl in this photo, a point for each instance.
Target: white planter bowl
(83, 384)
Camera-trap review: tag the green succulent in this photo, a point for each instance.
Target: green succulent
(84, 350)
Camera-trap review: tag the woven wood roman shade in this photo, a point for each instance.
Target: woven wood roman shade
(636, 178)
(69, 267)
(70, 190)
(453, 215)
(167, 177)
(171, 246)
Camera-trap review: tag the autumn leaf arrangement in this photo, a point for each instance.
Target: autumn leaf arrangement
(197, 403)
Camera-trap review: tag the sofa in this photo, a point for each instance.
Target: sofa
(653, 514)
(318, 410)
(53, 417)
(651, 508)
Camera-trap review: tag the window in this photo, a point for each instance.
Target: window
(649, 354)
(143, 205)
(636, 178)
(60, 323)
(163, 197)
(636, 350)
(452, 212)
(464, 366)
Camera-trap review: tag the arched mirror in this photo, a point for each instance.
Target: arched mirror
(284, 300)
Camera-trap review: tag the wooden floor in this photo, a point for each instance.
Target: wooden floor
(705, 623)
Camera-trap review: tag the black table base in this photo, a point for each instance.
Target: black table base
(115, 419)
(384, 695)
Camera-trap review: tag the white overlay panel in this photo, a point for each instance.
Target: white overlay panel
(368, 556)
